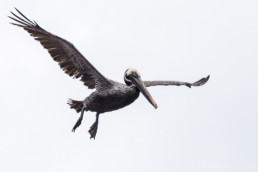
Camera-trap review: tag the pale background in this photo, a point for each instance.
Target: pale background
(211, 128)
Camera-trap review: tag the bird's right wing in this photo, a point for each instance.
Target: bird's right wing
(70, 60)
(177, 83)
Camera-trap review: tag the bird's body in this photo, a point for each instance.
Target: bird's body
(119, 96)
(109, 95)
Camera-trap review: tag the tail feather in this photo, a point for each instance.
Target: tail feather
(75, 104)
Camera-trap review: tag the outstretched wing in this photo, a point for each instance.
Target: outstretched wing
(177, 83)
(70, 60)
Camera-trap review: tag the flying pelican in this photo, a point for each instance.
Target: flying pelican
(109, 95)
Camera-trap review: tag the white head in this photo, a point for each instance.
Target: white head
(133, 77)
(131, 72)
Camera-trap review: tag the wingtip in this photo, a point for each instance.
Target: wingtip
(201, 81)
(205, 80)
(16, 9)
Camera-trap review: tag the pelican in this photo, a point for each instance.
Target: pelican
(109, 95)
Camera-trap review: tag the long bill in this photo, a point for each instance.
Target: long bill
(140, 85)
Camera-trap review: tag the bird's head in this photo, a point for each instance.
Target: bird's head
(133, 77)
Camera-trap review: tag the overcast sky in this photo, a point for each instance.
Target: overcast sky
(210, 128)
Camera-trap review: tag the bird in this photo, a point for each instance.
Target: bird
(109, 95)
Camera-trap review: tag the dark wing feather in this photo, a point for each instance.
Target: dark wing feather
(177, 83)
(70, 60)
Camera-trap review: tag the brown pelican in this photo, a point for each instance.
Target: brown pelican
(109, 95)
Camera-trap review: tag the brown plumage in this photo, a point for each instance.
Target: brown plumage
(70, 60)
(177, 83)
(109, 95)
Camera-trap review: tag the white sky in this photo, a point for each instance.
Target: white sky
(211, 128)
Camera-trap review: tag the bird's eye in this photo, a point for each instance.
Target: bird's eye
(127, 80)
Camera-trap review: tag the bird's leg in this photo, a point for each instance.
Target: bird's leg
(78, 123)
(94, 127)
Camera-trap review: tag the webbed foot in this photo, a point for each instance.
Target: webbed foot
(79, 121)
(94, 128)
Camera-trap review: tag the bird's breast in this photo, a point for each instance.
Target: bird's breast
(112, 99)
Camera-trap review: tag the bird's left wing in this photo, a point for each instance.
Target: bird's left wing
(177, 83)
(70, 60)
